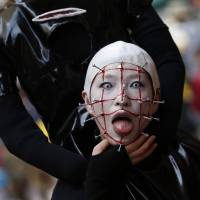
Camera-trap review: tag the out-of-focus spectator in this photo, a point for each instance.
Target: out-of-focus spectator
(4, 177)
(5, 3)
(195, 3)
(182, 18)
(27, 182)
(186, 123)
(159, 4)
(178, 16)
(195, 83)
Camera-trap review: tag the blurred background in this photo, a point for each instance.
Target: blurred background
(20, 181)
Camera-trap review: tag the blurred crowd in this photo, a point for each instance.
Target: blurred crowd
(20, 181)
(182, 17)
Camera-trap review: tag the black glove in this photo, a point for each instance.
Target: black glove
(109, 165)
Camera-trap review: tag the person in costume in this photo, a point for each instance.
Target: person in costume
(47, 46)
(122, 92)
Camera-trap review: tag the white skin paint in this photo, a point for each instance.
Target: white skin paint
(121, 91)
(121, 96)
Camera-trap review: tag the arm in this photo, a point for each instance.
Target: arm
(25, 140)
(106, 172)
(152, 34)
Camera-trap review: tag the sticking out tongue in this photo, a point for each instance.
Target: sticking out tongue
(123, 126)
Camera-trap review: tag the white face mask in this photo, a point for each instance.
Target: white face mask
(121, 96)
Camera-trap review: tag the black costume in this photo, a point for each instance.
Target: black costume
(162, 176)
(50, 59)
(171, 172)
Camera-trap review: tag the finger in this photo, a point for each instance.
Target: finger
(100, 147)
(111, 141)
(144, 147)
(138, 159)
(136, 143)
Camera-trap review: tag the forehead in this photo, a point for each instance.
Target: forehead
(121, 69)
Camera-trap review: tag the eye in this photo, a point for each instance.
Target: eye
(136, 84)
(106, 85)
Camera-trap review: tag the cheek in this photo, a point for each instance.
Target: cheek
(103, 122)
(147, 93)
(140, 108)
(135, 107)
(96, 94)
(146, 108)
(97, 112)
(143, 108)
(97, 109)
(102, 107)
(133, 93)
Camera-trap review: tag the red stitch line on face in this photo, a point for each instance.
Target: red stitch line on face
(133, 99)
(119, 68)
(97, 121)
(122, 69)
(102, 106)
(139, 90)
(122, 89)
(117, 141)
(131, 113)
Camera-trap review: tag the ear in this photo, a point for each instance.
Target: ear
(87, 102)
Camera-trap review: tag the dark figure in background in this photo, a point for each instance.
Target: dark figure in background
(195, 104)
(49, 55)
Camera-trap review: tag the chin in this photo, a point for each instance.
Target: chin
(116, 139)
(129, 139)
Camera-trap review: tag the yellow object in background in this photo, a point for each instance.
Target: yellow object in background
(32, 111)
(42, 127)
(187, 92)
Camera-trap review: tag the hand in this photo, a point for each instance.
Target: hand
(141, 148)
(100, 147)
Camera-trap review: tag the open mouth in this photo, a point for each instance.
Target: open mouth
(121, 119)
(122, 123)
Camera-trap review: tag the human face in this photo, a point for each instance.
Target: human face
(121, 99)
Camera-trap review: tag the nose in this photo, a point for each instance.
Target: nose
(122, 100)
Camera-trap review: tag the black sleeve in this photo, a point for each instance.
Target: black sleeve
(24, 139)
(106, 175)
(152, 34)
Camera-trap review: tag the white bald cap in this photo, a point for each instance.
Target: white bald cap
(119, 52)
